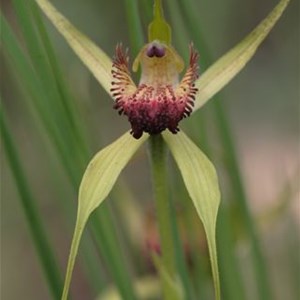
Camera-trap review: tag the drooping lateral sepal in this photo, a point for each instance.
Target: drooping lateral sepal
(97, 182)
(201, 181)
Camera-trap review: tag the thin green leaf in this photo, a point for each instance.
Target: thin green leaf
(201, 181)
(229, 65)
(172, 286)
(231, 277)
(92, 56)
(38, 98)
(39, 54)
(134, 25)
(98, 180)
(102, 228)
(28, 203)
(70, 110)
(181, 262)
(242, 203)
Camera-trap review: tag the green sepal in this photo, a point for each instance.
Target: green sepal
(230, 64)
(201, 181)
(97, 182)
(93, 57)
(159, 29)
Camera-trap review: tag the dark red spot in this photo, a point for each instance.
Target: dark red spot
(155, 50)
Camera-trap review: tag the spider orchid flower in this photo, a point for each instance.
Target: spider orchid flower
(160, 101)
(155, 107)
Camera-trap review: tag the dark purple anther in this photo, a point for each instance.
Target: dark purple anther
(155, 50)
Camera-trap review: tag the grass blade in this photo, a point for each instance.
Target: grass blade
(92, 56)
(73, 165)
(35, 223)
(231, 283)
(231, 162)
(42, 66)
(70, 113)
(134, 26)
(180, 258)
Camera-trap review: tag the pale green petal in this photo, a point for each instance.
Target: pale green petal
(201, 181)
(92, 56)
(229, 65)
(98, 180)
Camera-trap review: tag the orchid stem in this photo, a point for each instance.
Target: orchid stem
(163, 209)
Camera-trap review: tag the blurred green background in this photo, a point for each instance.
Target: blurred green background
(262, 106)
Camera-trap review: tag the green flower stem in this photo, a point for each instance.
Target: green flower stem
(180, 257)
(178, 252)
(158, 159)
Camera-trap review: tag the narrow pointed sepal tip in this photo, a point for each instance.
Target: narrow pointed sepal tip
(230, 64)
(97, 182)
(93, 57)
(201, 181)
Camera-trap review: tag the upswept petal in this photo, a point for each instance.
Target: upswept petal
(90, 54)
(98, 180)
(186, 91)
(201, 181)
(229, 65)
